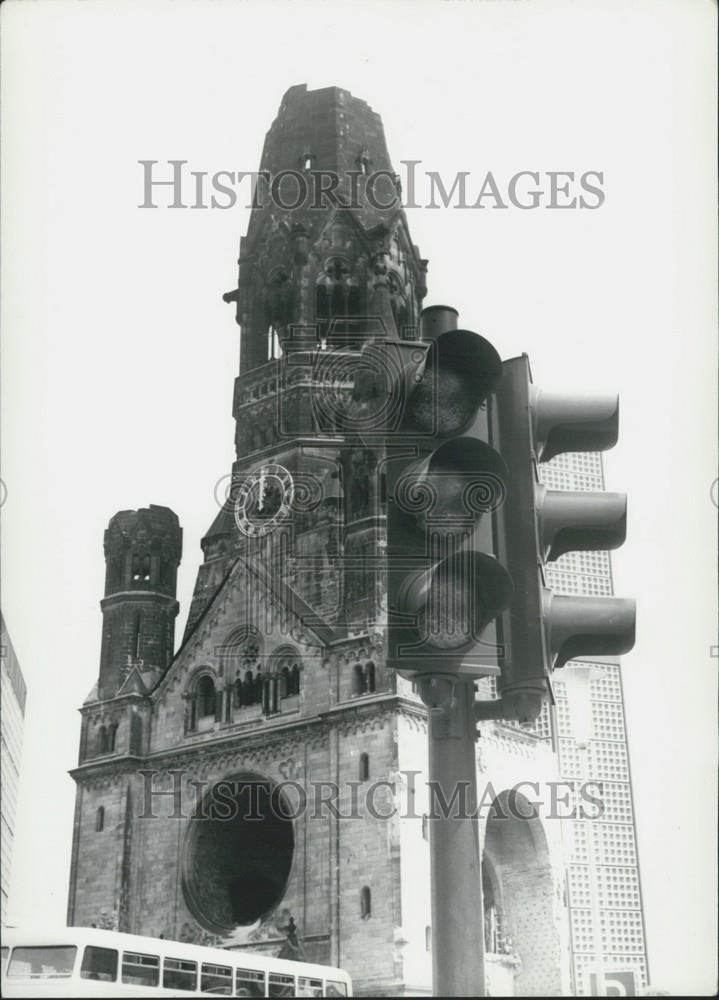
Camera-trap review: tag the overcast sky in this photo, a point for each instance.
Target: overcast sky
(119, 354)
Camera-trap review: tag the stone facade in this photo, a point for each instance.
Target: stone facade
(280, 689)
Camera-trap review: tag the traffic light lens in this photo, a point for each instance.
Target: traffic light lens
(445, 621)
(462, 369)
(443, 403)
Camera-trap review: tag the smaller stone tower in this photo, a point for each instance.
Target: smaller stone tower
(143, 549)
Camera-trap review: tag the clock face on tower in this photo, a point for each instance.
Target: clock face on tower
(264, 500)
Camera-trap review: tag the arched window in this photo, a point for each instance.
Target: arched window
(274, 685)
(401, 318)
(248, 689)
(336, 297)
(339, 301)
(102, 743)
(100, 819)
(286, 670)
(269, 695)
(205, 697)
(322, 313)
(265, 694)
(364, 767)
(322, 302)
(111, 736)
(275, 344)
(141, 567)
(370, 677)
(238, 691)
(359, 680)
(138, 634)
(365, 902)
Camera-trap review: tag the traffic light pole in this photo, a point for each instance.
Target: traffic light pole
(456, 879)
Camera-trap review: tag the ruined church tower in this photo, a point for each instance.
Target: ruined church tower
(278, 696)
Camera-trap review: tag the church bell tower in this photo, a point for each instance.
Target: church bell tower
(315, 283)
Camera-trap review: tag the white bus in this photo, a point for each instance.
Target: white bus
(85, 962)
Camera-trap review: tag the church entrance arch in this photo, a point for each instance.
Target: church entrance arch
(519, 897)
(238, 852)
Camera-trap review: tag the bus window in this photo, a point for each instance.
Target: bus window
(336, 989)
(99, 963)
(42, 963)
(281, 985)
(309, 987)
(249, 983)
(179, 974)
(140, 970)
(216, 979)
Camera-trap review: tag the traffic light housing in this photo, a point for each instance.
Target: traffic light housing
(441, 480)
(541, 631)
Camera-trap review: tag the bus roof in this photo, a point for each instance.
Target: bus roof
(40, 936)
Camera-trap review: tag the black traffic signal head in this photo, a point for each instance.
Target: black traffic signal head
(461, 370)
(449, 489)
(581, 626)
(444, 586)
(573, 521)
(563, 422)
(453, 601)
(541, 631)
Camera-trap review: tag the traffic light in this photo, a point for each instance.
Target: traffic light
(540, 631)
(421, 406)
(440, 477)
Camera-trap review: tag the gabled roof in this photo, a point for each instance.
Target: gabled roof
(285, 595)
(136, 682)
